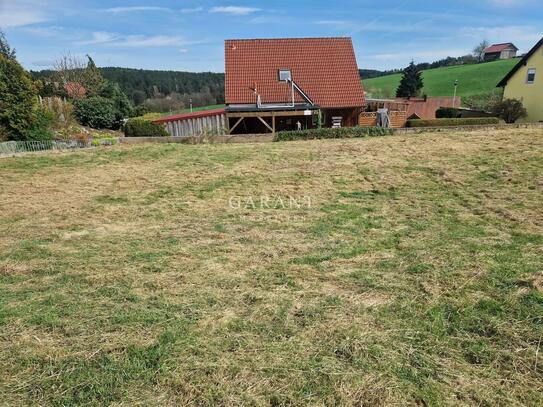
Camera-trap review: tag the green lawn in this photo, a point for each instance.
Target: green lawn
(473, 79)
(129, 275)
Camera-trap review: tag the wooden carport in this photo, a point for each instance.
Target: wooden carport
(260, 115)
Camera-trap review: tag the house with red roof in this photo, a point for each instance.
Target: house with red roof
(291, 83)
(75, 90)
(500, 51)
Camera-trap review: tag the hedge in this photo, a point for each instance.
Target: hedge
(96, 112)
(139, 127)
(472, 121)
(328, 133)
(447, 113)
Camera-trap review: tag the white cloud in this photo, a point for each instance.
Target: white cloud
(21, 13)
(191, 10)
(335, 23)
(136, 41)
(234, 10)
(44, 63)
(420, 56)
(100, 37)
(119, 10)
(522, 36)
(506, 3)
(44, 32)
(183, 50)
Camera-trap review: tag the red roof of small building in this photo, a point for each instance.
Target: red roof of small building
(193, 115)
(500, 47)
(75, 90)
(324, 68)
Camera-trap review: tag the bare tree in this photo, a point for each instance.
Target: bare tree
(69, 68)
(479, 50)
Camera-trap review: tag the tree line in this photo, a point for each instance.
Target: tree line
(161, 90)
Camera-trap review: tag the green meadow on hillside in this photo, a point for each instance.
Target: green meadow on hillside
(194, 109)
(473, 79)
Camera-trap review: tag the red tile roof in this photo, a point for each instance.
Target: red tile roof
(193, 115)
(500, 47)
(75, 90)
(324, 68)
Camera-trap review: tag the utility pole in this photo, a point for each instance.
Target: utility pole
(454, 97)
(190, 103)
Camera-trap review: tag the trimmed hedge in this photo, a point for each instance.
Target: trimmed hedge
(96, 112)
(472, 121)
(447, 113)
(139, 127)
(328, 133)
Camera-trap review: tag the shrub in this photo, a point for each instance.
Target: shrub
(104, 141)
(140, 110)
(485, 101)
(123, 106)
(328, 133)
(63, 115)
(510, 110)
(447, 113)
(41, 127)
(140, 127)
(17, 99)
(96, 112)
(453, 122)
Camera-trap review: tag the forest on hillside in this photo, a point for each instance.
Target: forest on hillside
(162, 90)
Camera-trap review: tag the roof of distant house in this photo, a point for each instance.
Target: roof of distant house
(324, 68)
(75, 90)
(500, 47)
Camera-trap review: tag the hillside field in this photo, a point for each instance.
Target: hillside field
(397, 271)
(473, 79)
(194, 109)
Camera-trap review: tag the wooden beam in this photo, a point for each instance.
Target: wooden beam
(273, 124)
(265, 124)
(235, 125)
(267, 114)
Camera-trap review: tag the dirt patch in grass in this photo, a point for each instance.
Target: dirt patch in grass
(412, 278)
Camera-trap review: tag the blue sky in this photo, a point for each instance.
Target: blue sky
(188, 34)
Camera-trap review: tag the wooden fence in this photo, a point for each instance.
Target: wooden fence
(210, 122)
(369, 119)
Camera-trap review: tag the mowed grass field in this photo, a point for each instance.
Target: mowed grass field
(129, 276)
(472, 79)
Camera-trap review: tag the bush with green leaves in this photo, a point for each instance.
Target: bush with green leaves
(447, 113)
(329, 133)
(140, 127)
(97, 112)
(123, 106)
(485, 101)
(472, 121)
(41, 126)
(18, 99)
(510, 110)
(104, 141)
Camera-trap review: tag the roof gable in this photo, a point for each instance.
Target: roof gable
(500, 47)
(324, 68)
(521, 63)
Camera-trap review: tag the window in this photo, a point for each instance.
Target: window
(285, 75)
(531, 76)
